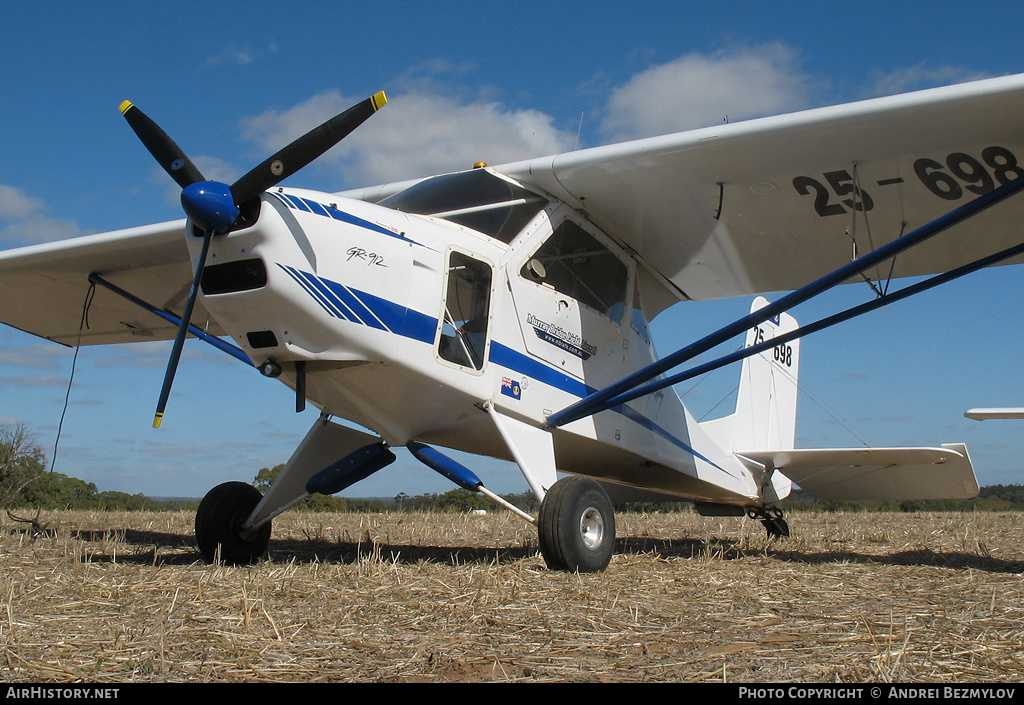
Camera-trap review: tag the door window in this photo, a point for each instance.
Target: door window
(573, 262)
(463, 336)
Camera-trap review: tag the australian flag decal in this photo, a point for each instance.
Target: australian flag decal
(511, 388)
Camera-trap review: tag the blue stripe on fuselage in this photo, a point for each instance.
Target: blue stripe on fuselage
(374, 311)
(518, 362)
(422, 328)
(316, 208)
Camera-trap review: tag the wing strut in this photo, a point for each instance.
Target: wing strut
(883, 299)
(615, 394)
(176, 320)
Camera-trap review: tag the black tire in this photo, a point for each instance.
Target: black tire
(219, 521)
(777, 527)
(576, 526)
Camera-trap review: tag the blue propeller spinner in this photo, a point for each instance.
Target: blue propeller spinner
(210, 206)
(215, 208)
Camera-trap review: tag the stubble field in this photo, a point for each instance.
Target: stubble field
(107, 597)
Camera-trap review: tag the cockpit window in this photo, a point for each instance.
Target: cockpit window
(573, 262)
(477, 199)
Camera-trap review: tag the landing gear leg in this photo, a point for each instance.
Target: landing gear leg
(219, 522)
(772, 520)
(576, 526)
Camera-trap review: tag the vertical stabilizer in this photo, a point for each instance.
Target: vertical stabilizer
(765, 416)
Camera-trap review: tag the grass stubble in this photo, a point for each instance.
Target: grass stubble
(125, 597)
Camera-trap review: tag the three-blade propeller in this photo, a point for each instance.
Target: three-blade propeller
(214, 207)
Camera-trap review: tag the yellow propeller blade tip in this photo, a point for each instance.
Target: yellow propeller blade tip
(157, 419)
(125, 106)
(378, 99)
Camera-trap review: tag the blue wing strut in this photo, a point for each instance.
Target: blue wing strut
(624, 389)
(213, 340)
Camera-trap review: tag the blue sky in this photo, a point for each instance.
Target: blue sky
(468, 81)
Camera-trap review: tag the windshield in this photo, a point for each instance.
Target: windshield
(477, 199)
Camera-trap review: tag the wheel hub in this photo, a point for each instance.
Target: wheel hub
(592, 528)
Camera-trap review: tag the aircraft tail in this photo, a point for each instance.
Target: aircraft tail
(763, 431)
(765, 417)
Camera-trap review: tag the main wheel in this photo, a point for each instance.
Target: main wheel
(576, 526)
(219, 522)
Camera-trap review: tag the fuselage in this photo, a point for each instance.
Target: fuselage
(409, 324)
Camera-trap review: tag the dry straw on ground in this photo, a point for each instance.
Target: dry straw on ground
(416, 598)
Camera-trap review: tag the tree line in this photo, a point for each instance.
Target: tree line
(26, 483)
(457, 500)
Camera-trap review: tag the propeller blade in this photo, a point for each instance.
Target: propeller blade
(305, 149)
(179, 339)
(215, 207)
(167, 153)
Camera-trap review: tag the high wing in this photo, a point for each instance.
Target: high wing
(771, 204)
(43, 288)
(1007, 413)
(751, 207)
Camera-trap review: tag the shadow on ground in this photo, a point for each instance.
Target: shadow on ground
(179, 549)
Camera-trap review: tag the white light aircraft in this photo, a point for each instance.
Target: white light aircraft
(1007, 413)
(504, 310)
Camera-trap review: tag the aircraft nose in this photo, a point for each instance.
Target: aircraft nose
(210, 205)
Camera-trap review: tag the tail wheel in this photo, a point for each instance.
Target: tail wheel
(777, 527)
(576, 526)
(771, 519)
(219, 522)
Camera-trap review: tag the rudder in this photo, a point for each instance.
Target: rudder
(765, 416)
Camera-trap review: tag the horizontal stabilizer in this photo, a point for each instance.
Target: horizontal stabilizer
(876, 473)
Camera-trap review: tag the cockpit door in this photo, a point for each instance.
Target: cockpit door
(463, 334)
(570, 297)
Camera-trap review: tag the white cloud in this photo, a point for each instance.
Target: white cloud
(38, 357)
(241, 54)
(27, 221)
(919, 77)
(33, 382)
(273, 129)
(417, 134)
(431, 126)
(153, 354)
(15, 204)
(698, 90)
(212, 169)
